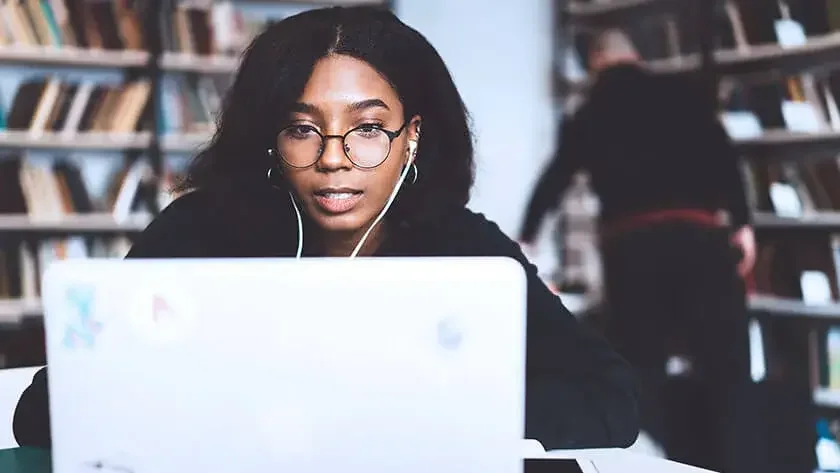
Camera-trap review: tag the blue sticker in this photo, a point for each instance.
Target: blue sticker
(450, 333)
(82, 328)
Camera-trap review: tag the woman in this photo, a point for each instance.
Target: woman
(344, 135)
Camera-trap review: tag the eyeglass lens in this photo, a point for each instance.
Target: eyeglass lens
(301, 146)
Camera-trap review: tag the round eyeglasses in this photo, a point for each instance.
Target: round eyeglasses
(366, 146)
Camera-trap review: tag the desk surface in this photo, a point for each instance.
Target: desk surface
(25, 460)
(34, 460)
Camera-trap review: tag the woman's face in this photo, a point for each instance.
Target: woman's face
(345, 97)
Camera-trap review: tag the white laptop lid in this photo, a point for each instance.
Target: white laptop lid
(317, 365)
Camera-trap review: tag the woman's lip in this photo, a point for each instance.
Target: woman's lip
(334, 202)
(337, 190)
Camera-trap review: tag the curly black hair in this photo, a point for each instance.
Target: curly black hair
(271, 78)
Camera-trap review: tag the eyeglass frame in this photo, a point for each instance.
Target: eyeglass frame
(392, 135)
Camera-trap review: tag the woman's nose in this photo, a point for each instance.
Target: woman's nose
(334, 155)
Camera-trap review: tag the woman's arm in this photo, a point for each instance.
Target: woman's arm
(31, 424)
(579, 392)
(553, 181)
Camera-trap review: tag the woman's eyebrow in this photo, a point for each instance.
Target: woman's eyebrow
(302, 107)
(365, 104)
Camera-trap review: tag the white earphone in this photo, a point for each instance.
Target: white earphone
(412, 152)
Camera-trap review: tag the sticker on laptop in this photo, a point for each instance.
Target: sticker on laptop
(450, 333)
(119, 462)
(82, 327)
(163, 315)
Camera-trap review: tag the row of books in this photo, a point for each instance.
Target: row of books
(44, 105)
(51, 191)
(110, 24)
(53, 104)
(207, 28)
(757, 22)
(190, 27)
(755, 43)
(737, 24)
(790, 188)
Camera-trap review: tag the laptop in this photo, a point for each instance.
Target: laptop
(375, 365)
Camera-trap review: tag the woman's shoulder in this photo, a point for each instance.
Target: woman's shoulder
(190, 207)
(463, 232)
(212, 223)
(179, 230)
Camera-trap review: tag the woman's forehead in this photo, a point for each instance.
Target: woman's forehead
(345, 84)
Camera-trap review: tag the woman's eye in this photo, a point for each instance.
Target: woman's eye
(369, 131)
(301, 131)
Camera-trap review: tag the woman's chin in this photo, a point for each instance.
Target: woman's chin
(350, 222)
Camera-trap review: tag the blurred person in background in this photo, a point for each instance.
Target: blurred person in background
(675, 238)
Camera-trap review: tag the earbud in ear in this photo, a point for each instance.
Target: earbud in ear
(412, 150)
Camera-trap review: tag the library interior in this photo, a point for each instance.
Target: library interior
(104, 104)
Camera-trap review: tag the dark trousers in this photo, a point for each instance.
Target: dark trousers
(673, 290)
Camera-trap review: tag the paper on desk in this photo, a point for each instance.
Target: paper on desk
(616, 460)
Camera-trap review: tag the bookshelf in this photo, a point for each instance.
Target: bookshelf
(786, 145)
(779, 63)
(749, 64)
(624, 12)
(112, 96)
(816, 221)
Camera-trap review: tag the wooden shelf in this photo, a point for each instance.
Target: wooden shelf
(783, 144)
(761, 63)
(620, 11)
(822, 221)
(87, 141)
(13, 312)
(70, 225)
(825, 397)
(769, 62)
(74, 57)
(781, 307)
(201, 64)
(341, 3)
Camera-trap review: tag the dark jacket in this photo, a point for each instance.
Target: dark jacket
(579, 392)
(649, 142)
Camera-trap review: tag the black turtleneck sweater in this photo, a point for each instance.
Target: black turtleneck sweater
(649, 142)
(579, 392)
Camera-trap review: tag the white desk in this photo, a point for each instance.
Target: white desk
(608, 460)
(611, 460)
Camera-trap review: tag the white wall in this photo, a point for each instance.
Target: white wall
(499, 52)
